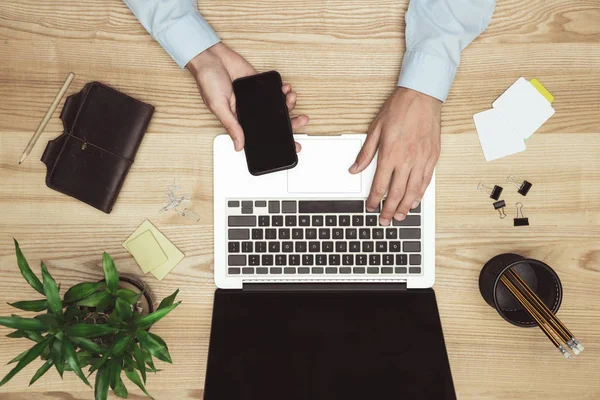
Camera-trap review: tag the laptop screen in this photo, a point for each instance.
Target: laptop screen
(327, 345)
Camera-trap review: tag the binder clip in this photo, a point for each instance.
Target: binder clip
(493, 192)
(499, 205)
(520, 220)
(522, 187)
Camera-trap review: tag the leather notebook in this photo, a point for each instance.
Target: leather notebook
(103, 129)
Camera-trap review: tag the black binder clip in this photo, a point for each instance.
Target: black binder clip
(520, 220)
(499, 205)
(494, 192)
(522, 187)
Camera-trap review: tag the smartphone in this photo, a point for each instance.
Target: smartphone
(264, 117)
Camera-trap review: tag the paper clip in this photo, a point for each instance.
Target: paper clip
(494, 192)
(520, 220)
(522, 187)
(499, 205)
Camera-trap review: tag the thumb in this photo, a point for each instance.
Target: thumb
(231, 125)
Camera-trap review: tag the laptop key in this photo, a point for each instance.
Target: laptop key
(361, 259)
(290, 220)
(287, 247)
(387, 270)
(359, 270)
(277, 220)
(247, 211)
(351, 233)
(241, 220)
(330, 206)
(371, 220)
(334, 259)
(401, 259)
(233, 203)
(307, 259)
(345, 270)
(367, 247)
(331, 220)
(264, 220)
(317, 270)
(348, 259)
(324, 233)
(378, 233)
(414, 270)
(289, 270)
(288, 207)
(311, 233)
(247, 270)
(400, 270)
(294, 259)
(411, 247)
(281, 259)
(234, 247)
(276, 270)
(341, 247)
(257, 234)
(388, 259)
(381, 247)
(260, 203)
(358, 220)
(364, 233)
(416, 210)
(260, 247)
(321, 259)
(415, 259)
(267, 259)
(304, 270)
(410, 233)
(284, 233)
(300, 247)
(314, 247)
(297, 234)
(238, 234)
(304, 220)
(233, 271)
(374, 259)
(372, 270)
(273, 207)
(331, 270)
(254, 260)
(410, 220)
(328, 247)
(270, 234)
(395, 246)
(354, 247)
(262, 270)
(391, 233)
(317, 220)
(247, 247)
(344, 220)
(236, 260)
(337, 233)
(274, 247)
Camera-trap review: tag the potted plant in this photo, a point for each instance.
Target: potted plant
(101, 325)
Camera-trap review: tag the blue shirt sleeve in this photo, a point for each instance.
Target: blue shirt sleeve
(436, 33)
(176, 25)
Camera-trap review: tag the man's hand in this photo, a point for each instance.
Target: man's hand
(214, 70)
(407, 134)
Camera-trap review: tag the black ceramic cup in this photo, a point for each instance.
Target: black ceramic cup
(539, 276)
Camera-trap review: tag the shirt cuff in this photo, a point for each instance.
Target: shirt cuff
(427, 74)
(187, 38)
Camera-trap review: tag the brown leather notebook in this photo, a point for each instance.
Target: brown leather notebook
(103, 129)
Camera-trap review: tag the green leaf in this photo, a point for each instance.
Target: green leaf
(72, 313)
(57, 357)
(71, 358)
(168, 301)
(43, 369)
(26, 271)
(124, 309)
(101, 384)
(139, 359)
(19, 333)
(30, 305)
(27, 324)
(129, 296)
(148, 359)
(87, 344)
(31, 355)
(34, 336)
(92, 300)
(120, 389)
(48, 319)
(120, 346)
(158, 339)
(18, 358)
(106, 303)
(150, 319)
(111, 275)
(133, 376)
(155, 348)
(89, 330)
(81, 291)
(51, 291)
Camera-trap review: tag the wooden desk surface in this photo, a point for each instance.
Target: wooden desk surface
(343, 58)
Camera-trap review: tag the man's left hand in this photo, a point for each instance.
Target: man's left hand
(406, 132)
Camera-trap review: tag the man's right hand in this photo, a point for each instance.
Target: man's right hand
(214, 70)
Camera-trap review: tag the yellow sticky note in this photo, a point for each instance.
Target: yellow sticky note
(146, 251)
(174, 256)
(543, 91)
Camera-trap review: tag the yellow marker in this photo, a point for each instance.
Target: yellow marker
(540, 88)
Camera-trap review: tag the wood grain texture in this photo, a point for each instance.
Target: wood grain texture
(343, 58)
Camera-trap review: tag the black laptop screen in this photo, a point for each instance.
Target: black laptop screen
(327, 345)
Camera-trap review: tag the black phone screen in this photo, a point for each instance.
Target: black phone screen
(263, 115)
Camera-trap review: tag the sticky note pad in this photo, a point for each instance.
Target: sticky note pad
(146, 251)
(174, 256)
(497, 138)
(523, 107)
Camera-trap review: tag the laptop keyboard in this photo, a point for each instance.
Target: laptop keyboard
(317, 237)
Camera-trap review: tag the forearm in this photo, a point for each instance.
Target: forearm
(436, 33)
(176, 25)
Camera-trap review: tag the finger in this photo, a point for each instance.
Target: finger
(379, 187)
(290, 100)
(230, 123)
(395, 195)
(286, 88)
(298, 147)
(412, 193)
(367, 152)
(427, 177)
(299, 121)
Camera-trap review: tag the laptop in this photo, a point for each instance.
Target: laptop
(315, 299)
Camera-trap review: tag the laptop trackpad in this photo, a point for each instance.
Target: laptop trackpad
(323, 167)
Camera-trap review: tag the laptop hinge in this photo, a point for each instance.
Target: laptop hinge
(325, 287)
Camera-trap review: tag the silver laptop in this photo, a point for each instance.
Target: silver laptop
(310, 225)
